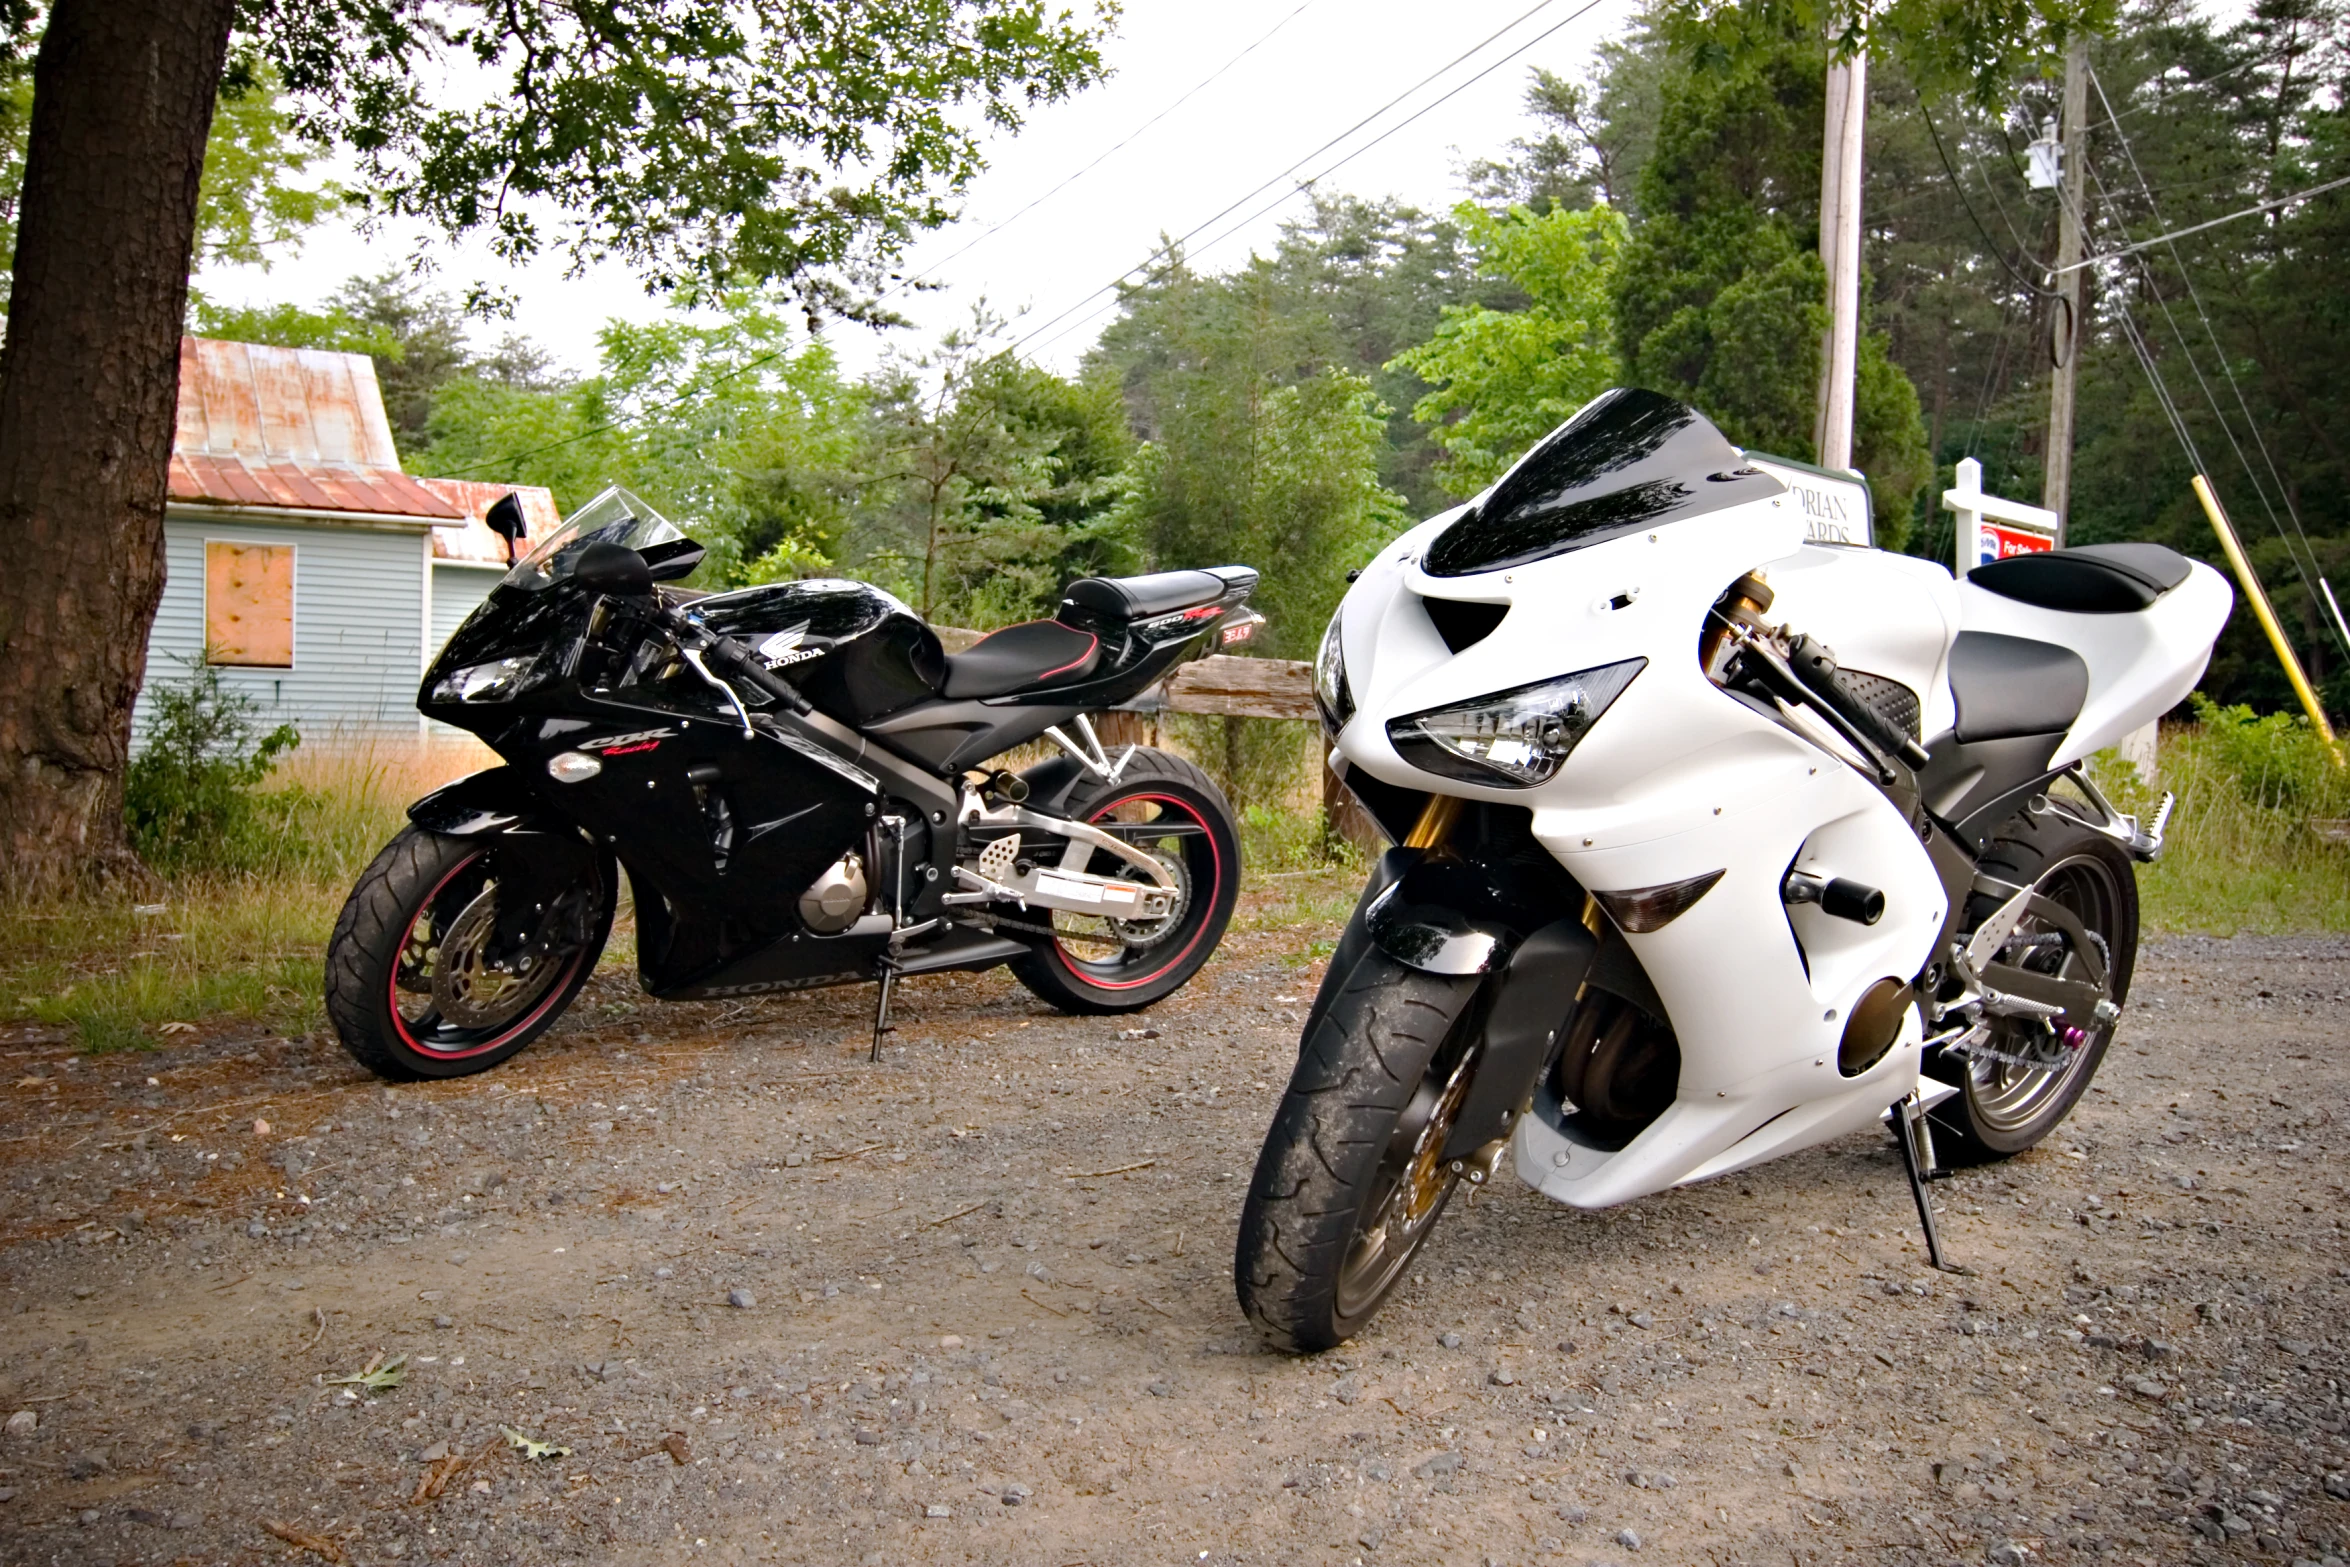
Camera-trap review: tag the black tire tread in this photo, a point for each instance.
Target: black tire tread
(374, 919)
(1361, 1063)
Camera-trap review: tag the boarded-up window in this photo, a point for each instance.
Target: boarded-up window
(249, 604)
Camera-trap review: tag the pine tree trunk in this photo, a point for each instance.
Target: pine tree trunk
(123, 94)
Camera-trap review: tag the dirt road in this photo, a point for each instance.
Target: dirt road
(768, 1303)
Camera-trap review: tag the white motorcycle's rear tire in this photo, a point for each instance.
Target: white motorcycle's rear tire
(1380, 1063)
(2001, 1110)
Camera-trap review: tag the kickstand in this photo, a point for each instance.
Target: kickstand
(881, 1023)
(1916, 1138)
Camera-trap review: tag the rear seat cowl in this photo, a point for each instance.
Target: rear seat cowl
(1160, 593)
(2094, 579)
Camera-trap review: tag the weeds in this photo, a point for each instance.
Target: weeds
(190, 797)
(2246, 848)
(244, 943)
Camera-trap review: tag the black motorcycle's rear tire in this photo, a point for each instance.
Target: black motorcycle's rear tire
(1171, 789)
(363, 957)
(1375, 1050)
(1992, 1117)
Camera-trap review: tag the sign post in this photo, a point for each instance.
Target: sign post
(1991, 527)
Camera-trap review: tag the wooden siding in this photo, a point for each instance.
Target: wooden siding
(455, 592)
(358, 628)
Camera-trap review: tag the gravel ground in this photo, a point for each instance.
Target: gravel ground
(769, 1303)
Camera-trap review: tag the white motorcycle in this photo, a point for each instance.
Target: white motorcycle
(1678, 888)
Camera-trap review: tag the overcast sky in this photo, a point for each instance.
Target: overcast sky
(1325, 66)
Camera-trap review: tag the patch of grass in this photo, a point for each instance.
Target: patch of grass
(2242, 854)
(247, 945)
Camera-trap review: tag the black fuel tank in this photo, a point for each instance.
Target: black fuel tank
(853, 650)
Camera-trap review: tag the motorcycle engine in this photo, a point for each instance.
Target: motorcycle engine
(835, 899)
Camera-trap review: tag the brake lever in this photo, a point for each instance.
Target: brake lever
(693, 656)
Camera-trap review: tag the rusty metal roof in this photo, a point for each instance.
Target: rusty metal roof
(290, 428)
(474, 541)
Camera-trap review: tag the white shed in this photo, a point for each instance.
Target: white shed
(299, 559)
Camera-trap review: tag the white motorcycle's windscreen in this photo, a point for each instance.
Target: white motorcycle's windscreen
(1628, 460)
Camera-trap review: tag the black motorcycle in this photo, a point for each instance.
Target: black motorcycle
(794, 778)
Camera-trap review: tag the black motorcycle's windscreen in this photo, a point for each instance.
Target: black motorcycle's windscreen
(1628, 460)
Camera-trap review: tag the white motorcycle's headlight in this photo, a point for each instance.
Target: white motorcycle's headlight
(1330, 690)
(499, 680)
(1512, 739)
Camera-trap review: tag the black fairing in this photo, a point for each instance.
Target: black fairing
(1630, 459)
(861, 655)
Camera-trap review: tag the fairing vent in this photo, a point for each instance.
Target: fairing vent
(1463, 625)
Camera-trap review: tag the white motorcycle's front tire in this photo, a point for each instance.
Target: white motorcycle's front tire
(1351, 1180)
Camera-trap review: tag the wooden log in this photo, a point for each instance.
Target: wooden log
(1240, 688)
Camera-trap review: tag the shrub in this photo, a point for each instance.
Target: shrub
(190, 794)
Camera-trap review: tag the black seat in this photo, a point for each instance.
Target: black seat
(1160, 593)
(1037, 653)
(2009, 686)
(2096, 579)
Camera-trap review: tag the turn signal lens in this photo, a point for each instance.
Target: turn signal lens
(1513, 739)
(1643, 909)
(573, 767)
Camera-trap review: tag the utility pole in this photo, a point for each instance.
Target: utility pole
(2064, 335)
(1848, 92)
(1841, 252)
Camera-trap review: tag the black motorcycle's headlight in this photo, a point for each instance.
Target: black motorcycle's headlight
(1513, 739)
(1330, 690)
(499, 680)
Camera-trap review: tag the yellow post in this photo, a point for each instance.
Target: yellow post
(2267, 616)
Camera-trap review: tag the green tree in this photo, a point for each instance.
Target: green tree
(790, 143)
(1720, 296)
(254, 203)
(729, 420)
(989, 481)
(1503, 379)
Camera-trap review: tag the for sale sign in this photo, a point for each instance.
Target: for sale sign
(1991, 527)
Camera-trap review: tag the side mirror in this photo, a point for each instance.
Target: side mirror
(505, 520)
(604, 567)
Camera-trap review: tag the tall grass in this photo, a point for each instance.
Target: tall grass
(2248, 846)
(245, 943)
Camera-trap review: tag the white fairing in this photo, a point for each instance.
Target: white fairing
(1678, 778)
(2140, 665)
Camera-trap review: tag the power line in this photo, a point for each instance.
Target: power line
(1243, 200)
(2197, 228)
(1316, 179)
(1209, 80)
(2219, 353)
(1958, 185)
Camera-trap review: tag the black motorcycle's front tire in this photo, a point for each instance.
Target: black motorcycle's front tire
(1097, 978)
(394, 898)
(1369, 1099)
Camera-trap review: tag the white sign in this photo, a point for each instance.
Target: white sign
(1991, 528)
(1835, 506)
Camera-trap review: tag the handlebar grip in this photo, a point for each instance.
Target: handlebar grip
(1816, 667)
(730, 657)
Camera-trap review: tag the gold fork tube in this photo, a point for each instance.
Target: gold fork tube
(1435, 823)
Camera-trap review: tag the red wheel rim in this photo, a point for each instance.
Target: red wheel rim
(522, 1025)
(1216, 867)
